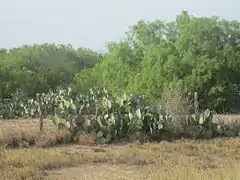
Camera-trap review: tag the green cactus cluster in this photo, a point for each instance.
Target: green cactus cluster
(111, 117)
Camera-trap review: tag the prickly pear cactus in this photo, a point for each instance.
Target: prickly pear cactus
(206, 117)
(111, 116)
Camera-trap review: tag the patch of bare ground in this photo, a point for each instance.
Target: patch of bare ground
(227, 118)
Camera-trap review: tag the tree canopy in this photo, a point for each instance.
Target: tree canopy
(38, 68)
(194, 53)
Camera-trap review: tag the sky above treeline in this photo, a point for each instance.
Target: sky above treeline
(92, 23)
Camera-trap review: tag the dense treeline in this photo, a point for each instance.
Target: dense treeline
(38, 68)
(189, 54)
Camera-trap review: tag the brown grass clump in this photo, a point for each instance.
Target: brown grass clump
(175, 103)
(83, 138)
(25, 133)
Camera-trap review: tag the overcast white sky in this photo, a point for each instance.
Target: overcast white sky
(90, 23)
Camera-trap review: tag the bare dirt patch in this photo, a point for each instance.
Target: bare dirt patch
(227, 118)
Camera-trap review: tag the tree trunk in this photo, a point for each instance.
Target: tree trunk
(41, 120)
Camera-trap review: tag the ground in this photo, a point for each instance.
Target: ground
(217, 159)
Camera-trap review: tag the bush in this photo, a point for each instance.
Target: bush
(120, 116)
(174, 102)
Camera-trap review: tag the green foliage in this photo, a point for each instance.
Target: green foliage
(190, 54)
(197, 53)
(14, 107)
(116, 116)
(38, 68)
(200, 54)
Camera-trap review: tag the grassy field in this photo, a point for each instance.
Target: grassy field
(38, 157)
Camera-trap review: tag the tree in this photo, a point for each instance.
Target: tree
(38, 68)
(197, 53)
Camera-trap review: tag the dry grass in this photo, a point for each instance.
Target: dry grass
(25, 133)
(227, 118)
(198, 160)
(219, 159)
